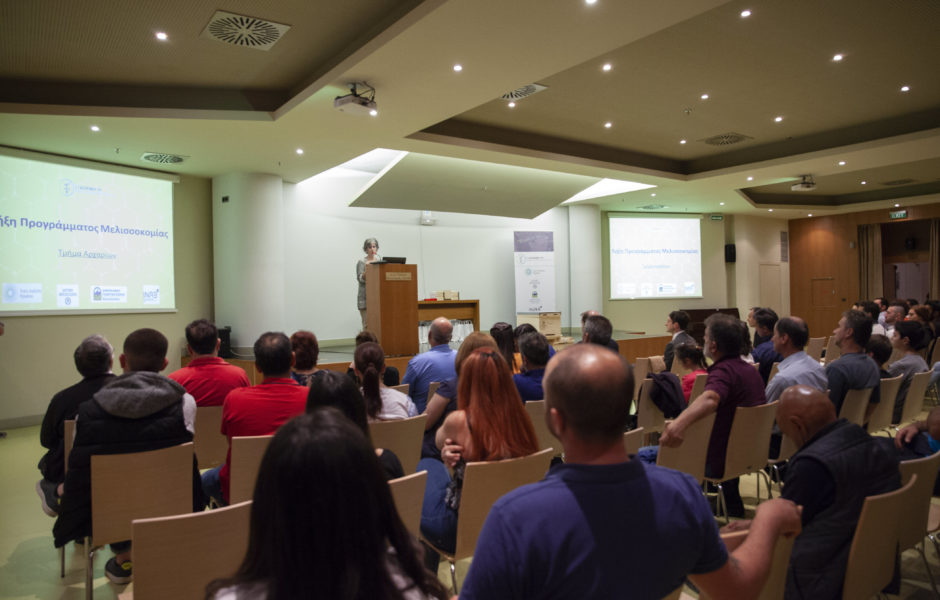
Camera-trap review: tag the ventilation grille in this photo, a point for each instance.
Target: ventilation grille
(524, 92)
(239, 30)
(652, 207)
(162, 158)
(726, 139)
(907, 181)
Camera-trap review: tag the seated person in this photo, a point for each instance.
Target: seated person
(390, 377)
(207, 377)
(764, 353)
(502, 333)
(382, 402)
(324, 523)
(93, 359)
(341, 392)
(796, 368)
(879, 348)
(437, 364)
(534, 349)
(909, 338)
(692, 358)
(306, 352)
(611, 342)
(853, 370)
(520, 331)
(920, 439)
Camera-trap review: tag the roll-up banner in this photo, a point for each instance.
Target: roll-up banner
(534, 257)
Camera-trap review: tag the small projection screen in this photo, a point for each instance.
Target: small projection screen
(655, 257)
(76, 237)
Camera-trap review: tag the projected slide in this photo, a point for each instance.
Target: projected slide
(655, 258)
(76, 239)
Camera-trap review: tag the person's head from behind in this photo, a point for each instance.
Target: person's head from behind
(521, 330)
(534, 350)
(678, 320)
(440, 332)
(724, 336)
(765, 318)
(339, 391)
(879, 348)
(94, 356)
(144, 350)
(803, 412)
(485, 391)
(746, 343)
(323, 519)
(366, 336)
(503, 336)
(690, 356)
(306, 350)
(273, 354)
(369, 362)
(477, 339)
(597, 330)
(585, 315)
(791, 334)
(910, 336)
(588, 391)
(202, 336)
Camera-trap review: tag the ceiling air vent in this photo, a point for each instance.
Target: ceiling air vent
(652, 207)
(162, 158)
(524, 92)
(726, 139)
(240, 30)
(907, 181)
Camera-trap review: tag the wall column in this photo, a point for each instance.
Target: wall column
(584, 257)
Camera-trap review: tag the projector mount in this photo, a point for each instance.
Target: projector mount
(358, 102)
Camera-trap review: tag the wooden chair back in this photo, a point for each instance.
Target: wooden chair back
(777, 575)
(749, 439)
(690, 456)
(677, 369)
(641, 368)
(432, 388)
(657, 364)
(404, 437)
(177, 556)
(914, 515)
(895, 355)
(247, 452)
(69, 441)
(211, 445)
(833, 351)
(648, 415)
(536, 411)
(138, 485)
(773, 371)
(872, 554)
(633, 440)
(408, 493)
(815, 347)
(854, 406)
(483, 484)
(914, 400)
(888, 392)
(698, 386)
(934, 353)
(405, 387)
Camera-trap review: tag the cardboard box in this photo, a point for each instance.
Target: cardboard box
(550, 323)
(451, 295)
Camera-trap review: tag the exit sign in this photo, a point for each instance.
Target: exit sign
(898, 214)
(717, 217)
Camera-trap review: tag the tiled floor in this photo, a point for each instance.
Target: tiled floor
(29, 563)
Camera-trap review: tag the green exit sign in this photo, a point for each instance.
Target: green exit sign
(898, 214)
(717, 217)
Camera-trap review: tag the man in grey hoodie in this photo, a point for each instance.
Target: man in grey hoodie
(139, 411)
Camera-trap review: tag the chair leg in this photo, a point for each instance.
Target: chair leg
(453, 576)
(770, 493)
(89, 573)
(933, 583)
(721, 506)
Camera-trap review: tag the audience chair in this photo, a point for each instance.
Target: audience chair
(699, 386)
(640, 370)
(176, 557)
(657, 364)
(132, 486)
(211, 446)
(408, 493)
(67, 443)
(914, 400)
(832, 350)
(773, 371)
(633, 440)
(895, 355)
(677, 369)
(815, 347)
(854, 406)
(648, 415)
(432, 388)
(483, 484)
(247, 452)
(690, 456)
(404, 437)
(536, 411)
(916, 512)
(405, 387)
(747, 448)
(874, 547)
(787, 450)
(880, 419)
(777, 575)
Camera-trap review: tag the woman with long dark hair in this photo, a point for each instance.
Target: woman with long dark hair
(382, 402)
(323, 522)
(692, 359)
(503, 335)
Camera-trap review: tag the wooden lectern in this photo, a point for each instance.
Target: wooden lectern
(392, 306)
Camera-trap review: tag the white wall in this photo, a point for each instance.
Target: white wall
(757, 242)
(584, 227)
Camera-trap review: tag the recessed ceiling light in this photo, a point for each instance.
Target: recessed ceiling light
(837, 58)
(458, 68)
(897, 206)
(653, 194)
(721, 204)
(511, 105)
(608, 124)
(95, 128)
(864, 183)
(905, 88)
(590, 1)
(704, 96)
(607, 67)
(841, 163)
(745, 14)
(749, 178)
(681, 141)
(770, 210)
(778, 119)
(161, 35)
(299, 150)
(810, 215)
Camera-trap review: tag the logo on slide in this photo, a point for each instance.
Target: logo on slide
(68, 188)
(96, 294)
(151, 294)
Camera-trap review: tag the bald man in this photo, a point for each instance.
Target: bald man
(837, 466)
(437, 364)
(575, 534)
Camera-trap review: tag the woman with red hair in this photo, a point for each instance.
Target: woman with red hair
(490, 423)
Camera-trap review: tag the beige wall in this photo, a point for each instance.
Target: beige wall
(36, 352)
(757, 243)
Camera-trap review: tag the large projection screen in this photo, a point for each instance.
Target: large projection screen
(655, 257)
(76, 237)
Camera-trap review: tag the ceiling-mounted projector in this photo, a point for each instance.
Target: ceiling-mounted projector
(356, 103)
(806, 184)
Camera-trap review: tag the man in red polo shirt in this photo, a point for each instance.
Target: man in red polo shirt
(259, 409)
(207, 378)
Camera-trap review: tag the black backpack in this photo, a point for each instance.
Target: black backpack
(666, 393)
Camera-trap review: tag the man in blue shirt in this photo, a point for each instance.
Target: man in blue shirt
(534, 349)
(797, 368)
(604, 526)
(437, 364)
